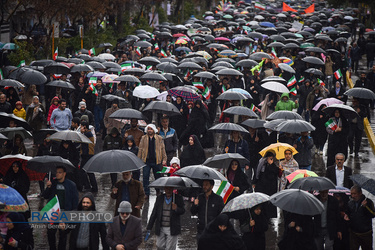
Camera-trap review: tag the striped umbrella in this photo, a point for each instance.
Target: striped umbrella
(184, 92)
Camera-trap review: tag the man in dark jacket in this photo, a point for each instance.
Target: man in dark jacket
(359, 214)
(166, 216)
(112, 141)
(304, 144)
(170, 139)
(88, 151)
(84, 111)
(4, 105)
(67, 194)
(327, 224)
(86, 235)
(340, 174)
(207, 206)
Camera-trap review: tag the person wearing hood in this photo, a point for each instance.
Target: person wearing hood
(237, 178)
(112, 141)
(133, 131)
(35, 114)
(193, 153)
(220, 234)
(54, 105)
(131, 146)
(19, 111)
(84, 111)
(286, 104)
(320, 134)
(338, 92)
(86, 235)
(19, 235)
(178, 122)
(109, 123)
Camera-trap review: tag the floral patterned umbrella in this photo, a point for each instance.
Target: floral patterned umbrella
(11, 200)
(245, 201)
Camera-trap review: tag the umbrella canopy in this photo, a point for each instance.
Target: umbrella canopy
(258, 56)
(142, 44)
(152, 77)
(110, 98)
(6, 162)
(345, 110)
(113, 161)
(49, 163)
(11, 132)
(362, 93)
(41, 134)
(297, 201)
(61, 84)
(162, 107)
(69, 135)
(57, 68)
(314, 71)
(229, 72)
(205, 74)
(239, 110)
(186, 93)
(175, 182)
(313, 60)
(11, 83)
(295, 126)
(167, 67)
(300, 173)
(254, 123)
(312, 183)
(127, 78)
(227, 128)
(31, 76)
(127, 113)
(286, 68)
(200, 172)
(327, 102)
(81, 67)
(231, 95)
(284, 114)
(279, 149)
(145, 91)
(189, 65)
(224, 160)
(245, 201)
(246, 63)
(273, 79)
(11, 200)
(5, 118)
(275, 87)
(148, 60)
(364, 182)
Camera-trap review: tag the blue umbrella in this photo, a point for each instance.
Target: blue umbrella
(11, 200)
(267, 24)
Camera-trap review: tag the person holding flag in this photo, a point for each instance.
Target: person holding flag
(237, 178)
(67, 197)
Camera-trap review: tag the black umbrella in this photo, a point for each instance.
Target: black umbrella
(312, 183)
(284, 114)
(142, 44)
(314, 71)
(295, 126)
(333, 51)
(189, 65)
(110, 98)
(258, 56)
(200, 172)
(113, 161)
(153, 77)
(168, 59)
(127, 113)
(11, 132)
(229, 72)
(341, 40)
(255, 35)
(57, 68)
(291, 46)
(313, 60)
(81, 68)
(364, 182)
(127, 78)
(61, 84)
(69, 135)
(40, 135)
(31, 76)
(286, 68)
(175, 182)
(134, 71)
(224, 160)
(254, 123)
(274, 123)
(239, 110)
(11, 83)
(84, 57)
(276, 45)
(227, 128)
(96, 65)
(162, 107)
(173, 78)
(5, 118)
(103, 45)
(231, 95)
(48, 164)
(277, 38)
(246, 63)
(111, 65)
(362, 93)
(345, 110)
(148, 60)
(167, 67)
(315, 49)
(205, 74)
(297, 201)
(61, 59)
(43, 62)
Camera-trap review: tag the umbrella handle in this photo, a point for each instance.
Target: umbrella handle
(249, 213)
(173, 200)
(49, 175)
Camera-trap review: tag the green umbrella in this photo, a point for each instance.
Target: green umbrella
(228, 16)
(307, 45)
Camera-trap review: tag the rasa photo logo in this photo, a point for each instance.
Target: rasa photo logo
(71, 217)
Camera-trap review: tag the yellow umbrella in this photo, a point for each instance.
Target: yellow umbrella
(181, 41)
(278, 149)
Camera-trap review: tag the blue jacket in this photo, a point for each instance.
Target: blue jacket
(240, 147)
(170, 139)
(71, 194)
(61, 119)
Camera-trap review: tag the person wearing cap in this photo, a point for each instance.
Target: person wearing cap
(125, 233)
(166, 216)
(110, 123)
(19, 111)
(84, 111)
(152, 152)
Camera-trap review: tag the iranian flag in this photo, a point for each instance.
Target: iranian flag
(338, 74)
(260, 6)
(149, 68)
(152, 36)
(166, 170)
(52, 206)
(22, 63)
(254, 49)
(291, 81)
(1, 74)
(94, 91)
(302, 79)
(162, 52)
(55, 55)
(198, 85)
(321, 82)
(223, 188)
(293, 91)
(206, 93)
(223, 89)
(126, 66)
(273, 52)
(138, 51)
(156, 45)
(93, 80)
(253, 107)
(92, 52)
(187, 73)
(57, 76)
(331, 124)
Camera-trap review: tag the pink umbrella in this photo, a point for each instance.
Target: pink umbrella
(222, 39)
(327, 102)
(110, 78)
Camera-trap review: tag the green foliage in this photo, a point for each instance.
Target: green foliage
(162, 14)
(25, 52)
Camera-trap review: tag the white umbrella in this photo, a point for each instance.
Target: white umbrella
(145, 91)
(275, 87)
(107, 56)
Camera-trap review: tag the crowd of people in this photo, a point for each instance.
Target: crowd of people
(257, 44)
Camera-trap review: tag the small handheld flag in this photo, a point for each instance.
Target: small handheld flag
(224, 189)
(22, 63)
(291, 81)
(92, 52)
(206, 93)
(331, 124)
(55, 55)
(293, 91)
(138, 51)
(338, 74)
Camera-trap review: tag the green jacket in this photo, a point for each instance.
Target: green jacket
(286, 105)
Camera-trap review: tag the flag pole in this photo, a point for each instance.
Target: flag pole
(53, 40)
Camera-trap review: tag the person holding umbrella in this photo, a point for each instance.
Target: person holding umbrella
(87, 151)
(304, 144)
(288, 166)
(356, 128)
(237, 178)
(237, 145)
(318, 120)
(166, 216)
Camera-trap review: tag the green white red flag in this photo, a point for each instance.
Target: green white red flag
(163, 53)
(1, 74)
(166, 170)
(321, 82)
(260, 6)
(206, 93)
(338, 74)
(126, 66)
(198, 85)
(138, 51)
(293, 91)
(156, 45)
(22, 63)
(302, 79)
(291, 81)
(92, 52)
(331, 124)
(224, 189)
(56, 54)
(93, 81)
(52, 206)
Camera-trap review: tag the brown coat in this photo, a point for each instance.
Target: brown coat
(161, 155)
(136, 133)
(137, 196)
(109, 123)
(132, 237)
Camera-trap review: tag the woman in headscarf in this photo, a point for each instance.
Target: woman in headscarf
(320, 134)
(237, 178)
(266, 180)
(19, 235)
(193, 153)
(338, 92)
(18, 147)
(178, 122)
(236, 144)
(220, 234)
(35, 114)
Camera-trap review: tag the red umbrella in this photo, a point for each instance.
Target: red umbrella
(222, 39)
(7, 161)
(178, 35)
